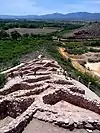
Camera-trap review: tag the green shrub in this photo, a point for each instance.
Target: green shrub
(2, 80)
(15, 35)
(15, 62)
(94, 50)
(95, 43)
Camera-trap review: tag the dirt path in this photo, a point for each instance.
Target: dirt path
(37, 126)
(75, 64)
(79, 67)
(63, 53)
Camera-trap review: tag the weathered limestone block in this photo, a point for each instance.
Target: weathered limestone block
(17, 107)
(71, 125)
(98, 125)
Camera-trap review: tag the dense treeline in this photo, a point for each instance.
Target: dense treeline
(5, 25)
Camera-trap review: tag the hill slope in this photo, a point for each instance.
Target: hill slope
(58, 16)
(91, 31)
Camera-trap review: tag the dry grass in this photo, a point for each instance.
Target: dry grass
(33, 30)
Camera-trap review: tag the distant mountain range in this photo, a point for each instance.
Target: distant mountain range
(85, 16)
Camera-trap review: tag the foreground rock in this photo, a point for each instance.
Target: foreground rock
(39, 89)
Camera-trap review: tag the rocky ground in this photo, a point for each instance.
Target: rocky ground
(40, 89)
(89, 32)
(92, 57)
(37, 126)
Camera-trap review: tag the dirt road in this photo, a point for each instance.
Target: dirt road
(75, 63)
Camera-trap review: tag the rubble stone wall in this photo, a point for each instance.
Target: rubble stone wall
(10, 90)
(15, 107)
(3, 109)
(21, 98)
(72, 98)
(80, 101)
(38, 79)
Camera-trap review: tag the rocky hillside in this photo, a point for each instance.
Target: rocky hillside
(41, 89)
(91, 31)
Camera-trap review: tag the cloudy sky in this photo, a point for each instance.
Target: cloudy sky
(36, 7)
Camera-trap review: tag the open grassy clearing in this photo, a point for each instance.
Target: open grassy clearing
(33, 30)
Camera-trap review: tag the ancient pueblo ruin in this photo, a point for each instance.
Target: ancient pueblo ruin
(41, 89)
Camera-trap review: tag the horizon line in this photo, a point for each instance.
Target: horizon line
(46, 14)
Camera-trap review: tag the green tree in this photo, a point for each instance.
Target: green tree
(15, 62)
(3, 34)
(26, 35)
(15, 35)
(2, 80)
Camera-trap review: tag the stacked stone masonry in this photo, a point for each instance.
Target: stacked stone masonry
(38, 90)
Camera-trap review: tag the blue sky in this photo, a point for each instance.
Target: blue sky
(36, 7)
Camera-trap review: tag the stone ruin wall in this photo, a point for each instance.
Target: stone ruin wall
(15, 107)
(23, 108)
(72, 98)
